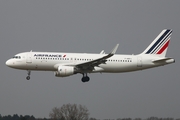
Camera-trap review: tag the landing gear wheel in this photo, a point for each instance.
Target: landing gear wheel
(28, 78)
(85, 78)
(29, 73)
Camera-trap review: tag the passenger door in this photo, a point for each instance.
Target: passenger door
(29, 57)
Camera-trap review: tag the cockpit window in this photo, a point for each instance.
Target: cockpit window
(17, 57)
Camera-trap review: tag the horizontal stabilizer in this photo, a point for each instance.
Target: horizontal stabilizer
(162, 60)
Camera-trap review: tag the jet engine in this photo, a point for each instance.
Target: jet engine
(64, 71)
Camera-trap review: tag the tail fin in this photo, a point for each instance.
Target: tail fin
(160, 44)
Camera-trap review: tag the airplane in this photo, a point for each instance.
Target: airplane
(67, 64)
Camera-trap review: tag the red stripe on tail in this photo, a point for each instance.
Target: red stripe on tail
(163, 48)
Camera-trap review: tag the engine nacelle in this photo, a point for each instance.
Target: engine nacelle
(64, 71)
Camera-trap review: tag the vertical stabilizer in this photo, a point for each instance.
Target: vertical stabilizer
(160, 44)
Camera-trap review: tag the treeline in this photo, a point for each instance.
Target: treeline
(150, 118)
(28, 117)
(20, 117)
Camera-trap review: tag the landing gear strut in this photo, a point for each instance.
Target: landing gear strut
(29, 73)
(85, 78)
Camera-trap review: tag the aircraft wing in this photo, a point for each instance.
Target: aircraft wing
(91, 64)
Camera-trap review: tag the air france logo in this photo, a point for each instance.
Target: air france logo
(48, 55)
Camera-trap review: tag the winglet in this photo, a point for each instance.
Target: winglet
(102, 52)
(115, 49)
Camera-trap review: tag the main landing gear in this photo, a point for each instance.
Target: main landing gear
(29, 73)
(85, 78)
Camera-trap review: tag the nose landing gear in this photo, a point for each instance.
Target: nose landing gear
(29, 73)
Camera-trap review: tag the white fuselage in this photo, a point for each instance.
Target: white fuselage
(49, 61)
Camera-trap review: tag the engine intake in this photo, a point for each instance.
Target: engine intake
(64, 71)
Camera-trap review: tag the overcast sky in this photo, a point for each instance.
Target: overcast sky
(89, 26)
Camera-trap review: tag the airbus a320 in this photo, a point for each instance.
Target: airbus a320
(67, 64)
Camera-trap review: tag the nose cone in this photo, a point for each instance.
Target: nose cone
(9, 63)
